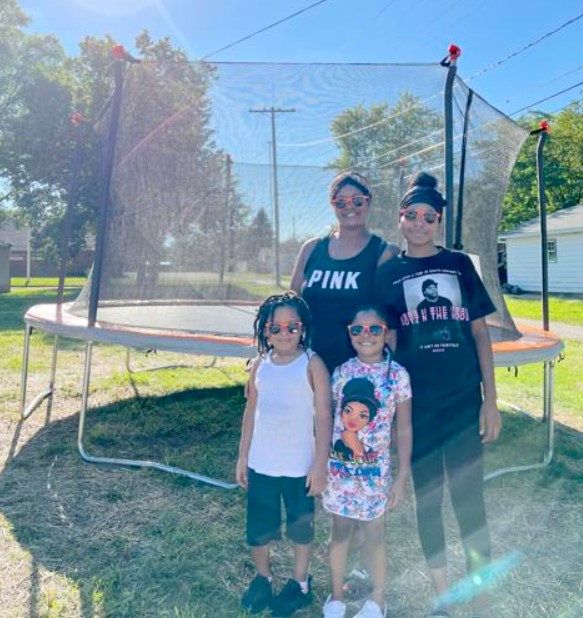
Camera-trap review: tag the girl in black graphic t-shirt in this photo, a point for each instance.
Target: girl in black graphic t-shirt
(437, 305)
(335, 275)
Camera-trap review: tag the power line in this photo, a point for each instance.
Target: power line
(276, 23)
(385, 7)
(376, 123)
(528, 46)
(550, 81)
(552, 96)
(558, 110)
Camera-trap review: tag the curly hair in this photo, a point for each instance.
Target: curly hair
(265, 314)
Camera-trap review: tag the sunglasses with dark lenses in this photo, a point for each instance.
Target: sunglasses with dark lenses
(274, 328)
(428, 216)
(358, 201)
(373, 329)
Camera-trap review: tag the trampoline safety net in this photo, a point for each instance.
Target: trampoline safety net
(221, 172)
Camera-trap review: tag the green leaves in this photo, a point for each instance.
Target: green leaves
(563, 167)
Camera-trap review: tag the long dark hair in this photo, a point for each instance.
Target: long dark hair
(265, 315)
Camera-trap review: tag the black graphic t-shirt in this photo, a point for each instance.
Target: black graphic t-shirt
(333, 290)
(432, 302)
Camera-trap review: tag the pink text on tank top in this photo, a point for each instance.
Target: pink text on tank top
(334, 279)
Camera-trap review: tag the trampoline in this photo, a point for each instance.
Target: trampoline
(204, 205)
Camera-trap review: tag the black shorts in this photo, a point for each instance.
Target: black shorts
(264, 495)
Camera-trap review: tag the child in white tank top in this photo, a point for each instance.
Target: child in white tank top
(283, 452)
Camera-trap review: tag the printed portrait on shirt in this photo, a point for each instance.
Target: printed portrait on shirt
(433, 309)
(359, 409)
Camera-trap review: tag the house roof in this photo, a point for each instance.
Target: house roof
(15, 236)
(18, 237)
(566, 220)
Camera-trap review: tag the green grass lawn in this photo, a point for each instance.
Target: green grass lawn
(46, 282)
(108, 542)
(567, 310)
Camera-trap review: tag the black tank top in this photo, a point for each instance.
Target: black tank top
(334, 289)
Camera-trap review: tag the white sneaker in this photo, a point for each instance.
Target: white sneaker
(333, 608)
(371, 610)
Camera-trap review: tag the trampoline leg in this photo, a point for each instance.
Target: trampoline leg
(26, 411)
(84, 400)
(548, 413)
(135, 463)
(548, 400)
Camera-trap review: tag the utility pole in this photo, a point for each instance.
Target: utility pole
(272, 111)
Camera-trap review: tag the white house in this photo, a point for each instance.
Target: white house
(564, 250)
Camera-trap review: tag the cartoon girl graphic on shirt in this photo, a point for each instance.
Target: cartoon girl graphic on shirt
(359, 408)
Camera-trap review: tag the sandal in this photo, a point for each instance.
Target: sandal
(357, 585)
(440, 613)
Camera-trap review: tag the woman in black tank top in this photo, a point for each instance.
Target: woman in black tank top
(335, 274)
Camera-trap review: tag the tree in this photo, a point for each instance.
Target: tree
(37, 94)
(169, 189)
(258, 236)
(563, 157)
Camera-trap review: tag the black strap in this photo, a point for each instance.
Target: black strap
(316, 251)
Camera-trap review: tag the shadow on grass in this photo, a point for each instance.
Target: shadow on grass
(524, 442)
(135, 542)
(190, 429)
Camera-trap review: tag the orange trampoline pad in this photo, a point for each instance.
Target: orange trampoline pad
(174, 328)
(534, 345)
(225, 330)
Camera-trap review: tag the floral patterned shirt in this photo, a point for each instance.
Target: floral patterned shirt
(358, 486)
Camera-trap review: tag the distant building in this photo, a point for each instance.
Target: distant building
(21, 253)
(564, 251)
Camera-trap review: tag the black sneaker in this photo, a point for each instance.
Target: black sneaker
(291, 598)
(258, 596)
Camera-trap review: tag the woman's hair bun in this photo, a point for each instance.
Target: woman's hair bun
(423, 179)
(422, 190)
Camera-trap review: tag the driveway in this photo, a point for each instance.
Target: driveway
(564, 331)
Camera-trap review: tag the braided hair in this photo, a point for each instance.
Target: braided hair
(267, 310)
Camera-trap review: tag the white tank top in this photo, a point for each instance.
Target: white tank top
(283, 434)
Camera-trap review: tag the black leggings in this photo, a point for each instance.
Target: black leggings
(447, 441)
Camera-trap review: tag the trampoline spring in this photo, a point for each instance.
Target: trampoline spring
(514, 370)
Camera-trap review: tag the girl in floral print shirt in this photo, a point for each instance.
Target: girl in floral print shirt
(368, 391)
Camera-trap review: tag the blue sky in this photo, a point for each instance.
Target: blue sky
(401, 31)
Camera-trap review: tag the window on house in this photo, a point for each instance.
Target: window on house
(552, 250)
